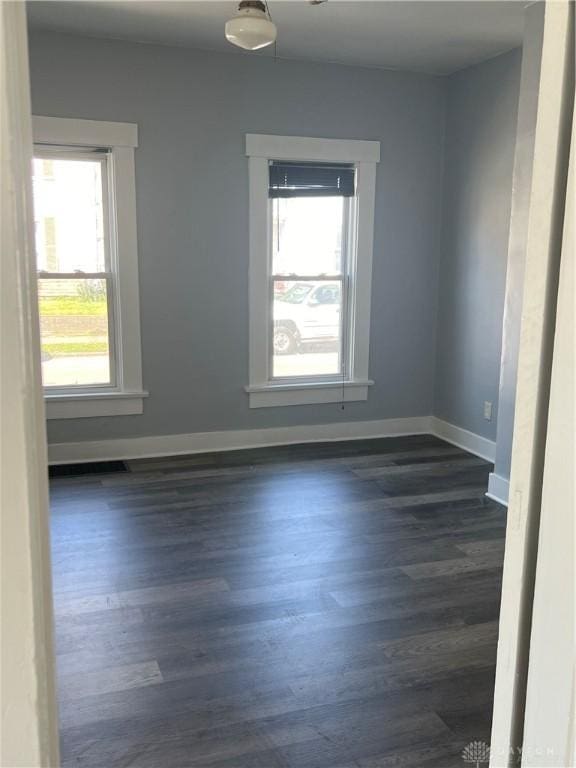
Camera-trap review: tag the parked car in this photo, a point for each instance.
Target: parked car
(307, 312)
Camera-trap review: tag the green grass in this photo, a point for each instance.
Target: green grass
(75, 347)
(71, 305)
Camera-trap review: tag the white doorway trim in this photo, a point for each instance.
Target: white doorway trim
(29, 722)
(550, 720)
(547, 202)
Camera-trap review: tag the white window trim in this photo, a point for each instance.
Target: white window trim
(260, 149)
(120, 139)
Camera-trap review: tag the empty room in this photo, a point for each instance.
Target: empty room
(279, 257)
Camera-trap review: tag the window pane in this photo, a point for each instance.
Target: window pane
(68, 215)
(306, 339)
(74, 332)
(307, 234)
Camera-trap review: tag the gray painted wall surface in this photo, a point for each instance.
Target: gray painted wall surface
(193, 109)
(480, 136)
(522, 178)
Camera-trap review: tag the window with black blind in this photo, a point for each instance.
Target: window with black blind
(311, 206)
(311, 238)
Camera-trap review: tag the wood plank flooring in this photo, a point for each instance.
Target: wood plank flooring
(316, 606)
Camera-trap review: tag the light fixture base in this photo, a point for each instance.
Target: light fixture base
(256, 4)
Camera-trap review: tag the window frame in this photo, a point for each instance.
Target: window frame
(119, 140)
(263, 390)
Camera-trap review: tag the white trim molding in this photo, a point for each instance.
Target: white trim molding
(354, 384)
(126, 395)
(294, 394)
(94, 404)
(462, 438)
(29, 716)
(83, 133)
(313, 150)
(232, 440)
(498, 488)
(516, 726)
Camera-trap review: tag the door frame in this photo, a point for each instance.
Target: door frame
(29, 711)
(543, 248)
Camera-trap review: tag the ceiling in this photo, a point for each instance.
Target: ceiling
(427, 36)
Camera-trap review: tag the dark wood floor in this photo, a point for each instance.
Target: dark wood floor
(320, 606)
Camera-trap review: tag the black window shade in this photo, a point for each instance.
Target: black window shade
(310, 180)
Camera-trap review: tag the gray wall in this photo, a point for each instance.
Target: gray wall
(441, 235)
(193, 109)
(480, 136)
(522, 178)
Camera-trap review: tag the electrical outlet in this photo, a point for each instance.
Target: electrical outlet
(487, 410)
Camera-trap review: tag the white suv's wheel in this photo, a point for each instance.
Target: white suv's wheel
(284, 341)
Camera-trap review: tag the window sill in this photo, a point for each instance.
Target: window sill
(272, 395)
(94, 404)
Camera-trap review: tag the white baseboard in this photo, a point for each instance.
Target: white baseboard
(469, 441)
(230, 440)
(498, 488)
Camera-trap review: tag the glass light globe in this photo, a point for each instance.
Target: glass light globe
(251, 29)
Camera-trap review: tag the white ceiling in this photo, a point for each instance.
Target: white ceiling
(425, 36)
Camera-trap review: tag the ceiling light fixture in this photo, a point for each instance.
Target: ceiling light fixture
(252, 28)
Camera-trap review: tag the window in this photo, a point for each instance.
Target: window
(311, 235)
(84, 212)
(310, 225)
(75, 284)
